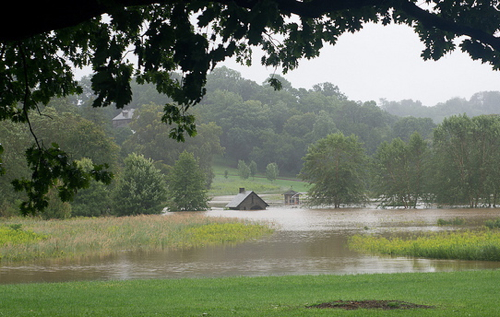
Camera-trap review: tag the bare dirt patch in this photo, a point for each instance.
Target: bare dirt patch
(369, 304)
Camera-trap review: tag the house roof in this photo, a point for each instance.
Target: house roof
(238, 199)
(291, 192)
(124, 115)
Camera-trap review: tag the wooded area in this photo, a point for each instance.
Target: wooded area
(243, 121)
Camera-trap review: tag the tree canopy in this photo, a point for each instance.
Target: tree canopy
(335, 167)
(193, 36)
(149, 40)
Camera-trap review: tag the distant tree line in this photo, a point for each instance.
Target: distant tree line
(486, 102)
(458, 168)
(243, 123)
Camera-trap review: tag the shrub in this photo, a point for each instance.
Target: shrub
(453, 222)
(141, 188)
(493, 223)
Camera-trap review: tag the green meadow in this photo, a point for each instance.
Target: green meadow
(472, 293)
(259, 184)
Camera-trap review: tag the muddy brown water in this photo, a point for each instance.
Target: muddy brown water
(306, 241)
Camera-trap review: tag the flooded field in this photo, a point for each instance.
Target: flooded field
(306, 241)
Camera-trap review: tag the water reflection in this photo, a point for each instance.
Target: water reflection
(305, 242)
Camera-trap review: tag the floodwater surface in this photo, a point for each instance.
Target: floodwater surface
(306, 241)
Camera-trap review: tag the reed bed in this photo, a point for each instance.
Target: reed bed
(25, 239)
(480, 245)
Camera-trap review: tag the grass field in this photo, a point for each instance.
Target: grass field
(28, 239)
(472, 293)
(477, 245)
(259, 184)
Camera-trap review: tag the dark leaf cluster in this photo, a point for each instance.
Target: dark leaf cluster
(52, 167)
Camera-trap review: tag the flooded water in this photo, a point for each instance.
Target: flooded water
(305, 242)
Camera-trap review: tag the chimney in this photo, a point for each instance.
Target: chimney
(242, 190)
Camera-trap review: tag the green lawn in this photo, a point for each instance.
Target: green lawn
(472, 293)
(259, 184)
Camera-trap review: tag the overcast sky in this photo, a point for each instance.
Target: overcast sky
(384, 62)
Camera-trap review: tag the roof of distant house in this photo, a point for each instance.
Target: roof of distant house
(125, 115)
(240, 197)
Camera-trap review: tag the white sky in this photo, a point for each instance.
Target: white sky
(384, 62)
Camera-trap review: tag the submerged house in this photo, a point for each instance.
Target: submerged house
(292, 197)
(247, 200)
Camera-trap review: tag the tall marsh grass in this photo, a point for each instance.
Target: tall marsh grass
(101, 236)
(482, 245)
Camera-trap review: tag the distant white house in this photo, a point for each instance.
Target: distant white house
(247, 200)
(123, 118)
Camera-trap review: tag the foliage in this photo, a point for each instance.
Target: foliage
(481, 103)
(400, 170)
(186, 185)
(53, 168)
(151, 138)
(2, 169)
(492, 224)
(466, 154)
(93, 201)
(31, 239)
(141, 188)
(57, 208)
(243, 169)
(220, 233)
(253, 168)
(272, 171)
(453, 222)
(405, 127)
(15, 235)
(462, 245)
(334, 166)
(81, 138)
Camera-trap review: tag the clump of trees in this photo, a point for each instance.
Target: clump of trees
(400, 172)
(143, 163)
(459, 167)
(335, 167)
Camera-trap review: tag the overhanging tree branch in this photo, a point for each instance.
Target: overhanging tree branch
(62, 14)
(430, 20)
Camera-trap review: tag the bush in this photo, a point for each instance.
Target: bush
(141, 188)
(493, 223)
(243, 169)
(272, 171)
(453, 222)
(93, 201)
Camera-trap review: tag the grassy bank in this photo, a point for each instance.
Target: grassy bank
(259, 183)
(481, 245)
(25, 239)
(473, 293)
